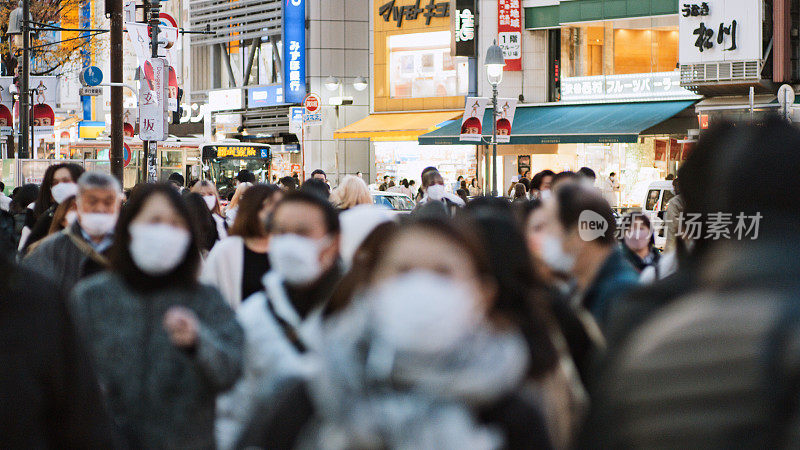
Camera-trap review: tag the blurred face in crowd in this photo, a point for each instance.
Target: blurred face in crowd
(535, 231)
(306, 225)
(98, 201)
(547, 182)
(62, 175)
(558, 247)
(320, 176)
(416, 251)
(158, 211)
(637, 237)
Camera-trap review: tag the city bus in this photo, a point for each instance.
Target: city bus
(222, 161)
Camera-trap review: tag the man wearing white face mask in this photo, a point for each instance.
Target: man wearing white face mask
(282, 322)
(580, 242)
(437, 201)
(80, 249)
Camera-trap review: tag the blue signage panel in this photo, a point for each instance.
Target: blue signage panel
(294, 50)
(265, 96)
(92, 76)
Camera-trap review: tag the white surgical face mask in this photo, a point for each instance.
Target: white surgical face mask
(545, 194)
(157, 249)
(436, 192)
(296, 258)
(211, 201)
(555, 257)
(71, 217)
(63, 191)
(423, 312)
(97, 224)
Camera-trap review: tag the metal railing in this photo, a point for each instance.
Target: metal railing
(692, 74)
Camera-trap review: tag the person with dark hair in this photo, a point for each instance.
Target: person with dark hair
(236, 264)
(177, 181)
(587, 175)
(520, 193)
(722, 354)
(164, 345)
(282, 320)
(21, 198)
(638, 243)
(523, 296)
(563, 177)
(385, 185)
(245, 176)
(210, 195)
(38, 219)
(436, 201)
(318, 187)
(427, 332)
(525, 182)
(474, 189)
(50, 394)
(610, 189)
(463, 194)
(541, 184)
(580, 242)
(288, 184)
(81, 249)
(319, 174)
(203, 220)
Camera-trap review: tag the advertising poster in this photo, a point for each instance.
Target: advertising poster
(506, 107)
(472, 122)
(6, 119)
(509, 32)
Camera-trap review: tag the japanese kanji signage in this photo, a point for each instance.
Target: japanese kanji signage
(719, 30)
(153, 104)
(426, 9)
(658, 85)
(509, 32)
(464, 28)
(294, 50)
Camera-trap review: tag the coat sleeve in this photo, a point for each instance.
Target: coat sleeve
(220, 342)
(42, 259)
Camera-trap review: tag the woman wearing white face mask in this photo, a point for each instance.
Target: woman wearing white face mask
(211, 197)
(637, 242)
(237, 263)
(422, 358)
(58, 184)
(163, 345)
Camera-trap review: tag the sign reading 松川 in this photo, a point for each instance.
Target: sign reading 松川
(719, 30)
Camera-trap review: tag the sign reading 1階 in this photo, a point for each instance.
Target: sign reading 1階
(464, 28)
(294, 50)
(719, 30)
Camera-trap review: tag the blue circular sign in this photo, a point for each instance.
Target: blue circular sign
(91, 76)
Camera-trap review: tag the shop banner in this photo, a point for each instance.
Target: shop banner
(509, 33)
(719, 30)
(294, 50)
(464, 25)
(472, 122)
(6, 119)
(153, 104)
(506, 107)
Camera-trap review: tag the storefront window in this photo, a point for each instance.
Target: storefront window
(622, 46)
(420, 65)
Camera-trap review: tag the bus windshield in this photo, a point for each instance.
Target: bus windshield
(223, 172)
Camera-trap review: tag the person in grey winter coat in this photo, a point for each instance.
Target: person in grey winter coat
(80, 250)
(164, 346)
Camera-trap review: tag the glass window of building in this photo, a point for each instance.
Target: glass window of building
(614, 47)
(420, 65)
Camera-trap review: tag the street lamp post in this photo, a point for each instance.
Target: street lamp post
(494, 70)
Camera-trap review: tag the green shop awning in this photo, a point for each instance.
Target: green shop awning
(571, 124)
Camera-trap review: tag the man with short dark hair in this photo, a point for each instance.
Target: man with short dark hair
(317, 186)
(5, 201)
(176, 180)
(319, 174)
(288, 184)
(385, 185)
(580, 242)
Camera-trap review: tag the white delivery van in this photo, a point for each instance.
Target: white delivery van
(657, 196)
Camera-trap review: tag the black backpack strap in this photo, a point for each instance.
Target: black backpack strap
(288, 330)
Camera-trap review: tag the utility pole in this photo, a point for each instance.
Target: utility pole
(24, 99)
(115, 155)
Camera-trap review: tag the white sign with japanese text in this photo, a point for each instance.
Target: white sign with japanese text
(506, 108)
(636, 86)
(153, 113)
(719, 30)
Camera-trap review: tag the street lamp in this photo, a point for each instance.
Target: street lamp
(494, 71)
(360, 84)
(332, 83)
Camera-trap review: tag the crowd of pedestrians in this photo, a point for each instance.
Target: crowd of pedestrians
(300, 317)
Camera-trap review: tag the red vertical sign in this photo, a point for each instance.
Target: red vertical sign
(509, 32)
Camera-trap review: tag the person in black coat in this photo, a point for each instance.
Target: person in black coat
(50, 396)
